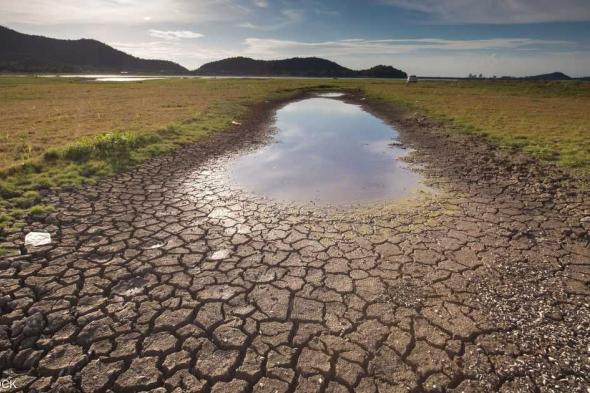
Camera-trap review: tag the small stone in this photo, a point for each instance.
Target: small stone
(220, 254)
(153, 244)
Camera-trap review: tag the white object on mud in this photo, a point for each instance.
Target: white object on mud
(220, 254)
(37, 239)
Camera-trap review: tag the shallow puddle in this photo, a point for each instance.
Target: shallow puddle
(327, 151)
(126, 79)
(108, 77)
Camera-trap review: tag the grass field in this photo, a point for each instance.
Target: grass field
(549, 120)
(64, 132)
(38, 113)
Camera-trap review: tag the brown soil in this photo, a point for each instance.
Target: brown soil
(166, 278)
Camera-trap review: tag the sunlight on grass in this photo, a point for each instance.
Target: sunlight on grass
(549, 120)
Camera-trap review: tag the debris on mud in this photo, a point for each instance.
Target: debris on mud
(35, 239)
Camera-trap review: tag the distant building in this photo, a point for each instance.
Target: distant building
(412, 79)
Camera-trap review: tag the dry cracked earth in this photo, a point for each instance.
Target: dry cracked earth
(168, 279)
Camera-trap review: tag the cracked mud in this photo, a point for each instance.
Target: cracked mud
(166, 278)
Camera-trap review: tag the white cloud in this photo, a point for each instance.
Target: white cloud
(183, 52)
(441, 63)
(435, 56)
(452, 57)
(126, 12)
(274, 47)
(499, 11)
(285, 18)
(173, 22)
(174, 34)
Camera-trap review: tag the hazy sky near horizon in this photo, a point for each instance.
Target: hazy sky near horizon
(424, 37)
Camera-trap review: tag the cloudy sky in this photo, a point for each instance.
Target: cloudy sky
(424, 37)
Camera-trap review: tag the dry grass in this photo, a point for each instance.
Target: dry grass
(550, 120)
(38, 113)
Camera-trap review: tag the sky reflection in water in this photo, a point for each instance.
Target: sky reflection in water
(326, 151)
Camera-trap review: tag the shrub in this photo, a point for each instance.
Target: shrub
(8, 190)
(52, 154)
(40, 209)
(78, 152)
(110, 146)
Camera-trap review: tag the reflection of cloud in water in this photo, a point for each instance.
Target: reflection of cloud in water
(319, 106)
(330, 95)
(328, 151)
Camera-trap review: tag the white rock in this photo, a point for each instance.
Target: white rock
(220, 254)
(37, 239)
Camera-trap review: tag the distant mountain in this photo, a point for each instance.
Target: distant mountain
(297, 66)
(30, 53)
(554, 76)
(382, 71)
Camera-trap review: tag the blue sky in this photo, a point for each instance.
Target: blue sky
(424, 37)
